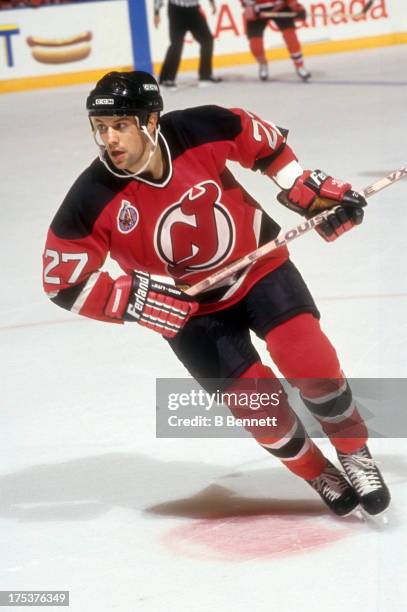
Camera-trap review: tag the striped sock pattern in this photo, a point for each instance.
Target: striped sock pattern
(339, 418)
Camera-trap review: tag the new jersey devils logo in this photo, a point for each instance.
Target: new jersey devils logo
(196, 233)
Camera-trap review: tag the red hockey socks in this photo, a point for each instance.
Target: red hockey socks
(293, 46)
(307, 359)
(310, 464)
(257, 48)
(338, 415)
(287, 439)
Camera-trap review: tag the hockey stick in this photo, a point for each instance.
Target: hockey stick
(284, 238)
(282, 14)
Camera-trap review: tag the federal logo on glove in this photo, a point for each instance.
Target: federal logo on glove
(158, 306)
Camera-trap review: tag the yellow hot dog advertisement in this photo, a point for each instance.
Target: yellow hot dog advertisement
(60, 50)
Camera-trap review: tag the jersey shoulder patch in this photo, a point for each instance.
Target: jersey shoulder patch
(192, 127)
(93, 190)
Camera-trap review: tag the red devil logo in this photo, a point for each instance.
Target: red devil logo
(196, 233)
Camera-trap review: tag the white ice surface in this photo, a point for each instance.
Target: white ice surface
(90, 500)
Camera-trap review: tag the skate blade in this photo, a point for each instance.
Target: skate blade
(380, 521)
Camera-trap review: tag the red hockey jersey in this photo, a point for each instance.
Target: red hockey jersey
(193, 221)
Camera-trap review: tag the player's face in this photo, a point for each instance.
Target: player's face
(126, 145)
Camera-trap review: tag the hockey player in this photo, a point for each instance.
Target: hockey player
(255, 13)
(161, 201)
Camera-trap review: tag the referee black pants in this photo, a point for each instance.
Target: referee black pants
(182, 20)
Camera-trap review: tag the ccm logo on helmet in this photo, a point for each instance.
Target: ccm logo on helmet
(104, 101)
(150, 87)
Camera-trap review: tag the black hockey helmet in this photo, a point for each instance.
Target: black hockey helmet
(125, 93)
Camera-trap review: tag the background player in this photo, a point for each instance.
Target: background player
(256, 22)
(161, 200)
(186, 16)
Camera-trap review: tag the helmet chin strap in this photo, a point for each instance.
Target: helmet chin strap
(127, 173)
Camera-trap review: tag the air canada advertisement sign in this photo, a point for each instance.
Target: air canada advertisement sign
(326, 21)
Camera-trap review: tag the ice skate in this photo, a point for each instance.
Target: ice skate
(263, 72)
(168, 84)
(209, 81)
(366, 479)
(335, 490)
(303, 73)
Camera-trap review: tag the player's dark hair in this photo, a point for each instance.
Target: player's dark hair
(125, 93)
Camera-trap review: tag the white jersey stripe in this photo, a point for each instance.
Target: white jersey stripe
(257, 219)
(84, 294)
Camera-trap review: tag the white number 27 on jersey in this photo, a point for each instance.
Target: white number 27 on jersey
(265, 128)
(57, 258)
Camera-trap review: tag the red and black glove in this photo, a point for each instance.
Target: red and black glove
(315, 192)
(158, 306)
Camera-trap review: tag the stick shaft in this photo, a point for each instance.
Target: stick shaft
(284, 238)
(386, 181)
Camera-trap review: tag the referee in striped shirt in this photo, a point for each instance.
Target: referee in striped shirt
(185, 16)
